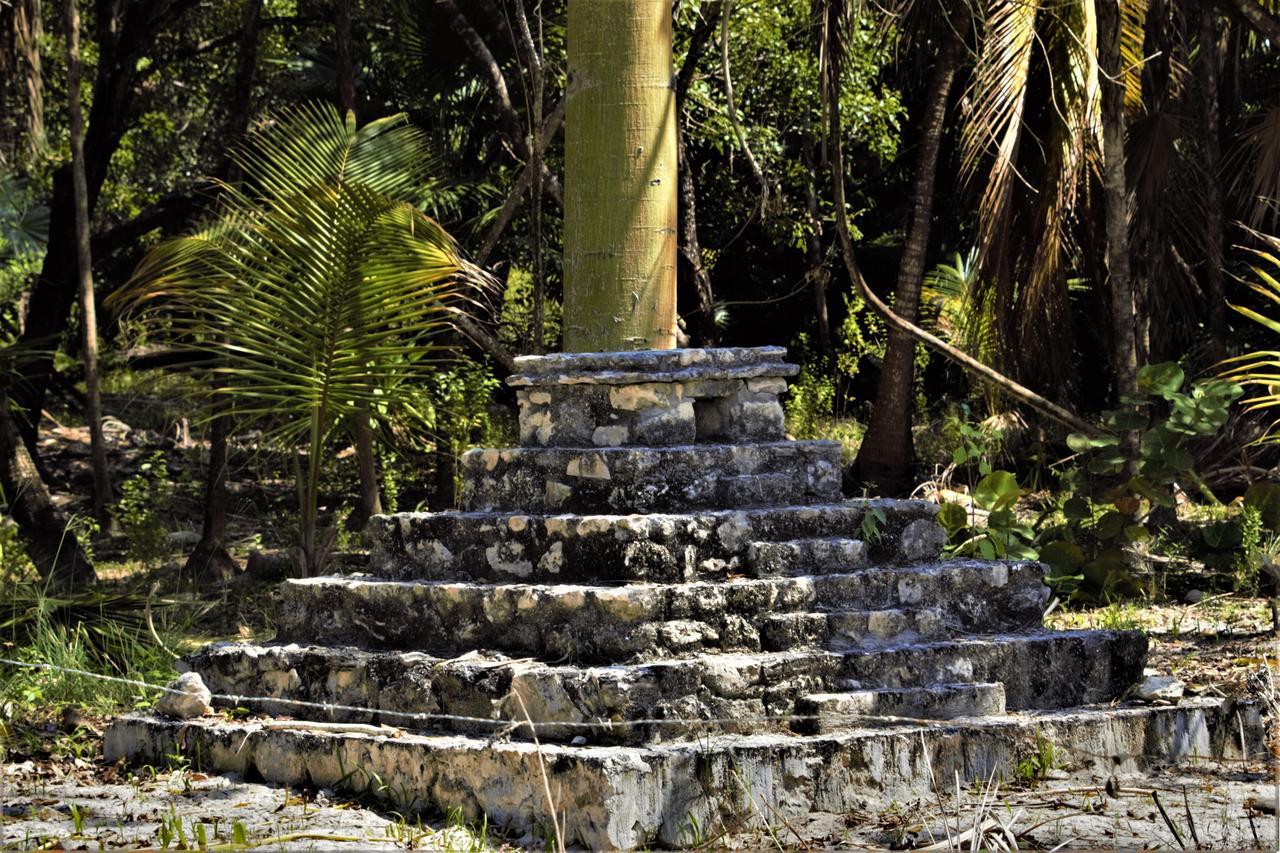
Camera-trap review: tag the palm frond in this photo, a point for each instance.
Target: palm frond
(1261, 369)
(319, 286)
(1255, 165)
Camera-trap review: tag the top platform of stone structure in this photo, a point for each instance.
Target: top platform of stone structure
(655, 398)
(643, 366)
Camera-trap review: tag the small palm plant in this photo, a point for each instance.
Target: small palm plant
(316, 294)
(1260, 370)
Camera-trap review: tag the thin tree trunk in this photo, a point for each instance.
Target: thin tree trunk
(50, 543)
(345, 63)
(503, 219)
(88, 307)
(126, 32)
(620, 175)
(533, 61)
(361, 434)
(1213, 225)
(444, 489)
(817, 274)
(887, 454)
(211, 561)
(1124, 344)
(741, 136)
(704, 331)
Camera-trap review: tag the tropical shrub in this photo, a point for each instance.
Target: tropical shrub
(315, 296)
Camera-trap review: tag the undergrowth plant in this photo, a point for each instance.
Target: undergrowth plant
(1105, 505)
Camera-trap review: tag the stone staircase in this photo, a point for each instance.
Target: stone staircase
(687, 608)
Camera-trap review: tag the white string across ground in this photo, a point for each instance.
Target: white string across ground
(424, 716)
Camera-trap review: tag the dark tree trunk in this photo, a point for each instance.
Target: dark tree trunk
(51, 545)
(704, 332)
(84, 273)
(817, 274)
(1124, 344)
(444, 490)
(345, 62)
(1215, 289)
(125, 32)
(887, 455)
(211, 561)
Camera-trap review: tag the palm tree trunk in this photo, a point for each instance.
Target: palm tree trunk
(88, 306)
(1124, 344)
(50, 543)
(1213, 225)
(620, 178)
(28, 30)
(887, 454)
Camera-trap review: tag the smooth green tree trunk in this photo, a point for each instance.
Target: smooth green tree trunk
(620, 178)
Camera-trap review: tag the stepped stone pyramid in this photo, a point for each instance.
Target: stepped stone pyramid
(707, 633)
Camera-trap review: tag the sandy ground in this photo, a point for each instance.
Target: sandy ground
(50, 806)
(77, 804)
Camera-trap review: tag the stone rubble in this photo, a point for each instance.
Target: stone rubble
(691, 615)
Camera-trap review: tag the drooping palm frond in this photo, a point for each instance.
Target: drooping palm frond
(1133, 35)
(1029, 140)
(1260, 370)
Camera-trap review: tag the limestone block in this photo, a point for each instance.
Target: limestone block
(610, 436)
(665, 426)
(185, 698)
(631, 398)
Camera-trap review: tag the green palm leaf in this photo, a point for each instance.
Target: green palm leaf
(1260, 370)
(319, 290)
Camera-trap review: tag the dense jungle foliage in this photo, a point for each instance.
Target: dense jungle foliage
(250, 166)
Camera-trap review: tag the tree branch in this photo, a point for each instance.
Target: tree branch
(964, 360)
(1256, 15)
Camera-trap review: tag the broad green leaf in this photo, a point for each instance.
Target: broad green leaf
(997, 490)
(1162, 380)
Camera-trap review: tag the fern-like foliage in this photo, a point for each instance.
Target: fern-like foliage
(317, 292)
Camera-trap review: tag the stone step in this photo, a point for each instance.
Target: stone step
(842, 630)
(1047, 669)
(805, 556)
(630, 622)
(583, 624)
(650, 479)
(660, 401)
(671, 794)
(666, 547)
(618, 699)
(834, 712)
(978, 596)
(603, 703)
